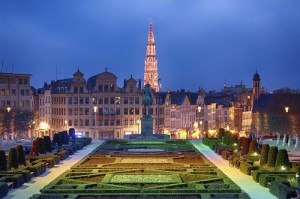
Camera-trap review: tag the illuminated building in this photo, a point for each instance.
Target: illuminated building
(151, 71)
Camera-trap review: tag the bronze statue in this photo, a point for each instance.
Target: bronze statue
(147, 99)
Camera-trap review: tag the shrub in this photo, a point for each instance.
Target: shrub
(41, 145)
(21, 155)
(3, 189)
(240, 143)
(33, 150)
(66, 137)
(3, 161)
(245, 146)
(282, 160)
(264, 154)
(221, 133)
(57, 139)
(253, 147)
(227, 138)
(281, 189)
(13, 158)
(72, 133)
(234, 139)
(47, 142)
(246, 167)
(272, 156)
(298, 172)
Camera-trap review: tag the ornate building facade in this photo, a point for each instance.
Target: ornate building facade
(97, 107)
(151, 71)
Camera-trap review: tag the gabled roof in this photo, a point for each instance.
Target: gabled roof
(276, 103)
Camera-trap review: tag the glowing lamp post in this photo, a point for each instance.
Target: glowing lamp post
(286, 109)
(95, 111)
(138, 128)
(8, 110)
(66, 124)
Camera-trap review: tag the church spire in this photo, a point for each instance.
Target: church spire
(150, 71)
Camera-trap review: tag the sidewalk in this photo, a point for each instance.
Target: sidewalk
(37, 183)
(245, 182)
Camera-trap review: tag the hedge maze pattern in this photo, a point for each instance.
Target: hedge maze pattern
(162, 169)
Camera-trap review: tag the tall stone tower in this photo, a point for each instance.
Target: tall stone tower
(256, 86)
(150, 71)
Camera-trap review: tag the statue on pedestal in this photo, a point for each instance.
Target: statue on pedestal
(147, 99)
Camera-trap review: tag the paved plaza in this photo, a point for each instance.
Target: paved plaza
(246, 183)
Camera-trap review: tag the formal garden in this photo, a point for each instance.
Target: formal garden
(268, 165)
(139, 169)
(21, 164)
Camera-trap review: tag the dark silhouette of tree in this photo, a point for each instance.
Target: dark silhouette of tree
(22, 122)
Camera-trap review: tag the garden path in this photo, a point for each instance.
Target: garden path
(245, 182)
(37, 183)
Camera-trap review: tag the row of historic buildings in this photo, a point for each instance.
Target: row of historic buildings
(99, 108)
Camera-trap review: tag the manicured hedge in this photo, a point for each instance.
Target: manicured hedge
(264, 154)
(3, 189)
(257, 173)
(253, 147)
(47, 142)
(34, 149)
(245, 146)
(17, 179)
(282, 160)
(3, 161)
(281, 189)
(21, 155)
(272, 156)
(240, 143)
(13, 159)
(37, 168)
(246, 167)
(41, 145)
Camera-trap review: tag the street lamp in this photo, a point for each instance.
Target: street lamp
(66, 124)
(138, 123)
(9, 120)
(95, 111)
(286, 109)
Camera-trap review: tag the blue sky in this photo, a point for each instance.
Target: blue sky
(199, 43)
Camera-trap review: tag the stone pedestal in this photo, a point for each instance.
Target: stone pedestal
(147, 125)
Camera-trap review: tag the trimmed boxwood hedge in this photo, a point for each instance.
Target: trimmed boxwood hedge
(245, 146)
(47, 142)
(282, 160)
(257, 173)
(253, 147)
(21, 155)
(3, 189)
(281, 189)
(41, 145)
(264, 154)
(3, 161)
(246, 167)
(13, 159)
(272, 156)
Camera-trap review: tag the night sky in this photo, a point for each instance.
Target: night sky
(199, 43)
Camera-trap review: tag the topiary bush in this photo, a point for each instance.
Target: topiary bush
(227, 138)
(234, 140)
(3, 161)
(72, 133)
(240, 143)
(282, 160)
(57, 139)
(34, 150)
(13, 159)
(264, 154)
(272, 156)
(21, 155)
(245, 146)
(47, 142)
(253, 147)
(41, 145)
(221, 133)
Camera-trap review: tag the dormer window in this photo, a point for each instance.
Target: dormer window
(81, 90)
(112, 88)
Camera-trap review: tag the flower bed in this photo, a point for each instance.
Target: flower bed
(148, 178)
